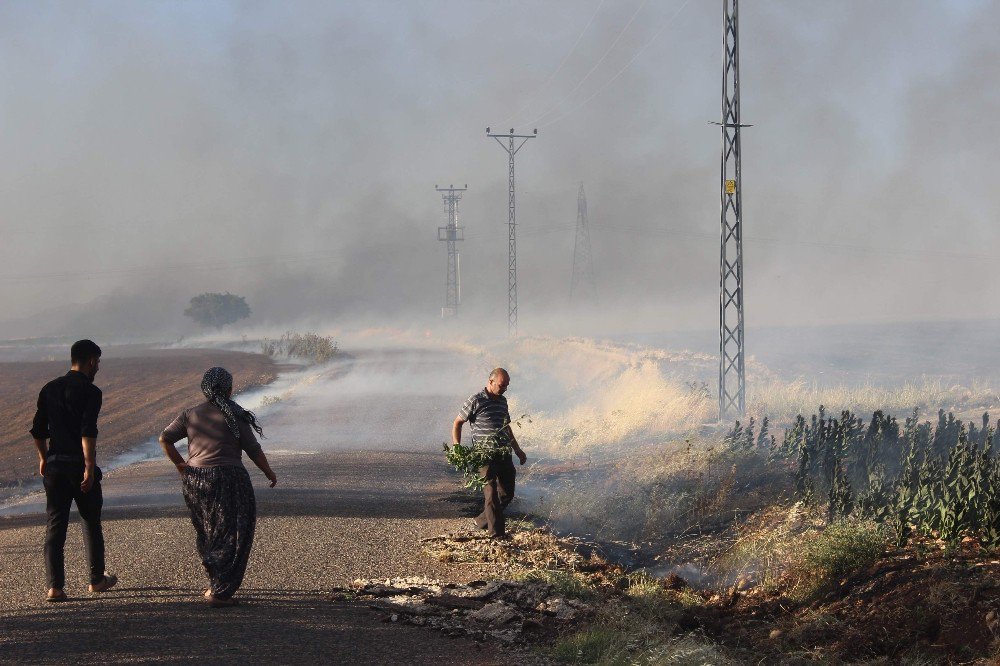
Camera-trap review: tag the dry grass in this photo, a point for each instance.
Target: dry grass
(782, 401)
(309, 346)
(621, 645)
(793, 549)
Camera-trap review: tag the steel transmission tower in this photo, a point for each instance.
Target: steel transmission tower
(583, 285)
(732, 366)
(451, 233)
(514, 143)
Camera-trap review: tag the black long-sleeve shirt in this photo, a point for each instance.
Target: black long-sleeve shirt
(67, 411)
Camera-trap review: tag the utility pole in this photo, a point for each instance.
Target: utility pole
(583, 285)
(451, 233)
(732, 365)
(514, 143)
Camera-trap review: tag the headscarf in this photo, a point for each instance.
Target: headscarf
(216, 385)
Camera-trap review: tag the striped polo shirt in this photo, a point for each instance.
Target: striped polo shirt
(487, 414)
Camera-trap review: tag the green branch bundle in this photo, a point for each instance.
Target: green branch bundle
(470, 459)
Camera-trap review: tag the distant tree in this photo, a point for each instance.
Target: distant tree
(217, 309)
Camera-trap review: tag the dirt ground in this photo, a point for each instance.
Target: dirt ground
(143, 391)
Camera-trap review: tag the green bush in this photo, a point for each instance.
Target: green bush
(842, 549)
(941, 480)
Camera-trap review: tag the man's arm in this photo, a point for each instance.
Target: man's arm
(88, 432)
(40, 431)
(43, 449)
(89, 462)
(515, 446)
(456, 430)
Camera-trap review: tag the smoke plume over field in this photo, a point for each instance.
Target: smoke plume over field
(289, 152)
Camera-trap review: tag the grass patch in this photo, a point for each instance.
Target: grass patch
(764, 549)
(567, 583)
(519, 525)
(651, 601)
(686, 651)
(840, 550)
(621, 646)
(592, 646)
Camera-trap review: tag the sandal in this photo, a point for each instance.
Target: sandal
(106, 584)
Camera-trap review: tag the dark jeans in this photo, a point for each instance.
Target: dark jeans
(497, 494)
(62, 488)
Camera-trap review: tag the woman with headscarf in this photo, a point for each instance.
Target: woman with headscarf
(216, 486)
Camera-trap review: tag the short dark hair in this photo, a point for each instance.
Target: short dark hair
(83, 350)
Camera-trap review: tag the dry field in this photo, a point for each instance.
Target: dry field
(144, 390)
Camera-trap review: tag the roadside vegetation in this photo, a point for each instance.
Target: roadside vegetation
(829, 539)
(310, 347)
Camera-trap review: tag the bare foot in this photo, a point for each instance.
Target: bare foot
(55, 595)
(208, 593)
(221, 602)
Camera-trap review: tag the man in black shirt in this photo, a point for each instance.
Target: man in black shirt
(65, 433)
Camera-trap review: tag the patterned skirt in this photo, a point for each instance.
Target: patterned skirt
(224, 514)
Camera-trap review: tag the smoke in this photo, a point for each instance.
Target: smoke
(288, 153)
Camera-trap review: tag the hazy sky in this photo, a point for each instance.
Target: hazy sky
(289, 151)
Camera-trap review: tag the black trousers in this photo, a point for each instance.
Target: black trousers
(62, 488)
(224, 515)
(497, 494)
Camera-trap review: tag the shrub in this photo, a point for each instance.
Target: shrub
(308, 346)
(840, 550)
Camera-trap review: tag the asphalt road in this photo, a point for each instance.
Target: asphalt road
(334, 517)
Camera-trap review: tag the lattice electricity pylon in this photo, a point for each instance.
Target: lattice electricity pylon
(451, 233)
(583, 286)
(732, 363)
(514, 143)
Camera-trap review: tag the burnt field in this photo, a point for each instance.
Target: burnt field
(144, 389)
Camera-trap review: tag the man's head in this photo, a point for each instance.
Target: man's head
(499, 380)
(86, 357)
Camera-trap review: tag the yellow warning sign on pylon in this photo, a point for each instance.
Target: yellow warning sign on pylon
(730, 187)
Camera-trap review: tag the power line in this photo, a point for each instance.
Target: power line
(765, 240)
(597, 92)
(594, 68)
(552, 76)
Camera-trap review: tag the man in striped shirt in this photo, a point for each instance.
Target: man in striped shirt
(490, 419)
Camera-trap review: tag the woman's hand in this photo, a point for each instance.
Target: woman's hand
(181, 468)
(260, 460)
